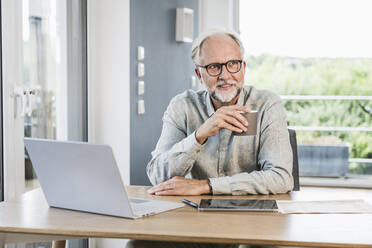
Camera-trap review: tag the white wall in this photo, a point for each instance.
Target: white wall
(108, 84)
(221, 13)
(108, 77)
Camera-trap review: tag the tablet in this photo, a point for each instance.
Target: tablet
(237, 205)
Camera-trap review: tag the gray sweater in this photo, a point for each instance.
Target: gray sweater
(237, 165)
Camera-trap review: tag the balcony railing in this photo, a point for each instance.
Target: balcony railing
(327, 128)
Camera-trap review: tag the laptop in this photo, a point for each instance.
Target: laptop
(84, 176)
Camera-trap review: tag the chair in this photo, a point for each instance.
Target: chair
(59, 244)
(295, 174)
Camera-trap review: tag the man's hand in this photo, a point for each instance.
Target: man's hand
(227, 117)
(181, 186)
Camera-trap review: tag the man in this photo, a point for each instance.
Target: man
(197, 152)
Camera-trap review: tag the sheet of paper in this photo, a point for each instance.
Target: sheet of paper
(324, 207)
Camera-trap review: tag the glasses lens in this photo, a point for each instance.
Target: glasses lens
(233, 66)
(214, 69)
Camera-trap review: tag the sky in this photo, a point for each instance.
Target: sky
(307, 28)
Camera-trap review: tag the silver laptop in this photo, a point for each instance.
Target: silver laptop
(83, 176)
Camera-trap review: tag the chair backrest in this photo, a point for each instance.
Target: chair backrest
(295, 174)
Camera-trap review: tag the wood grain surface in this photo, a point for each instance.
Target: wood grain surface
(30, 214)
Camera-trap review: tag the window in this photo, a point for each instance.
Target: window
(54, 59)
(321, 64)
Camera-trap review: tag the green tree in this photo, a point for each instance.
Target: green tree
(321, 76)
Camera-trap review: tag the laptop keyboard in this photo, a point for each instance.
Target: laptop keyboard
(135, 200)
(145, 207)
(140, 207)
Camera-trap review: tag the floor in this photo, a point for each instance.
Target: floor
(31, 184)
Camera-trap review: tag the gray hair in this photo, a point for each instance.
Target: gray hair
(195, 49)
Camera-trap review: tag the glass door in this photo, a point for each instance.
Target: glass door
(44, 84)
(54, 76)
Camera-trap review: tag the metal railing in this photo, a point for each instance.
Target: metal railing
(327, 128)
(313, 97)
(342, 129)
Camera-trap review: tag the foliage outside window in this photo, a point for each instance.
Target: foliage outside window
(326, 77)
(317, 55)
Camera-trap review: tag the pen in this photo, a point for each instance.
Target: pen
(190, 203)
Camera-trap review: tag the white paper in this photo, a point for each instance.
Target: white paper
(324, 207)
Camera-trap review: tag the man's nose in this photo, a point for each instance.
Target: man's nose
(224, 72)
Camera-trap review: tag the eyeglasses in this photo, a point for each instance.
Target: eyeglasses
(215, 69)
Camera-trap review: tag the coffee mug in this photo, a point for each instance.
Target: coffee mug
(251, 117)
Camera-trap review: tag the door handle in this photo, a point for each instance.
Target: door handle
(19, 102)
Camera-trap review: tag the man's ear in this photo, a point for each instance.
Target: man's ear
(244, 66)
(197, 72)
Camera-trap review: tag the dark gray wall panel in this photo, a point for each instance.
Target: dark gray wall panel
(168, 71)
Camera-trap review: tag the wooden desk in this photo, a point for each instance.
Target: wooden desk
(30, 219)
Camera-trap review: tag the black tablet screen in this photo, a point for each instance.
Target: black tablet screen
(238, 204)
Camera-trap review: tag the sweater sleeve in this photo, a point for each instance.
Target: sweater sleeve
(175, 152)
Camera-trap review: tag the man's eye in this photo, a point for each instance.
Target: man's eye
(213, 67)
(233, 62)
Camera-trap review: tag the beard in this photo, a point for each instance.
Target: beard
(224, 96)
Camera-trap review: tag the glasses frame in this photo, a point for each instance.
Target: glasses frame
(221, 65)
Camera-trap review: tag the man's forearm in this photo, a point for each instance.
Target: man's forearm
(273, 181)
(181, 186)
(177, 161)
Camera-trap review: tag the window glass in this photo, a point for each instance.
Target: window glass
(317, 56)
(54, 76)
